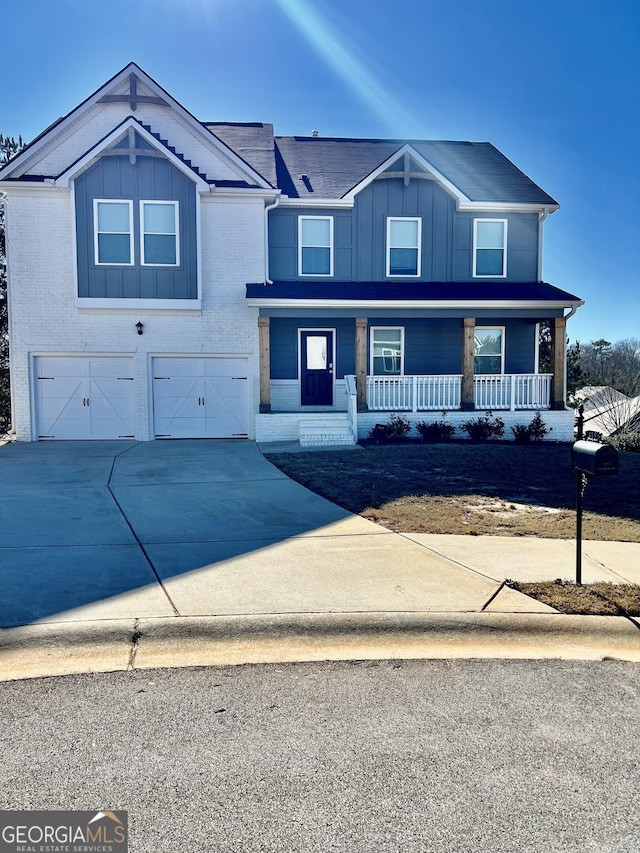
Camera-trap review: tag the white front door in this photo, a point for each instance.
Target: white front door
(84, 398)
(200, 397)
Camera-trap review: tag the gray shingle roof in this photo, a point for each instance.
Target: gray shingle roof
(333, 166)
(253, 141)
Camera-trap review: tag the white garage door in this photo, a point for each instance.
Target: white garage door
(84, 398)
(200, 397)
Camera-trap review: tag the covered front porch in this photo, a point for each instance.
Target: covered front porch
(385, 379)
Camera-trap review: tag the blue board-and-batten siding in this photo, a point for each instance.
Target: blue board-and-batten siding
(360, 235)
(147, 179)
(432, 347)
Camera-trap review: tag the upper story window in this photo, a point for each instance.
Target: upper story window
(315, 245)
(113, 232)
(404, 238)
(489, 248)
(114, 228)
(489, 349)
(387, 351)
(159, 242)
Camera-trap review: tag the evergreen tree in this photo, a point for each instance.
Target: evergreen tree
(8, 148)
(545, 359)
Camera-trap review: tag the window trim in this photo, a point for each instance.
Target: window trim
(176, 234)
(417, 219)
(505, 223)
(96, 256)
(302, 274)
(373, 329)
(503, 338)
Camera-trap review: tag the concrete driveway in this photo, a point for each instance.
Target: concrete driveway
(108, 530)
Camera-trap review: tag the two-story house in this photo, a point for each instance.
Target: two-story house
(171, 278)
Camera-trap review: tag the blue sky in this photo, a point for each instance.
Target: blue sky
(554, 84)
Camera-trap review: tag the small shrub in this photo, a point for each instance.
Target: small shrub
(436, 430)
(396, 429)
(629, 441)
(483, 428)
(535, 431)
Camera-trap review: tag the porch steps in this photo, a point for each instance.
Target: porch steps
(331, 430)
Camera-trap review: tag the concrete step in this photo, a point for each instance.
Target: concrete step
(325, 431)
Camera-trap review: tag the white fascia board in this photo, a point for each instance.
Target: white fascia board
(501, 304)
(232, 192)
(316, 202)
(428, 167)
(193, 123)
(506, 207)
(163, 305)
(31, 187)
(118, 132)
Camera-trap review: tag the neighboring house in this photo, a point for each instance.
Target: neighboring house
(608, 412)
(171, 278)
(595, 397)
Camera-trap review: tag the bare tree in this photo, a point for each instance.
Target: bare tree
(611, 416)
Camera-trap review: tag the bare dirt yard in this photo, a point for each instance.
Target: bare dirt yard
(497, 488)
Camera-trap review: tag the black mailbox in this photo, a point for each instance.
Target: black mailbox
(594, 459)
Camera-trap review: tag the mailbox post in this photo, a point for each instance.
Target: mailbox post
(590, 459)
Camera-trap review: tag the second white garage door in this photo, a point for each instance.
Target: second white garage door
(200, 397)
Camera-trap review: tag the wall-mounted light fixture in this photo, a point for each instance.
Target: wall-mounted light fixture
(139, 327)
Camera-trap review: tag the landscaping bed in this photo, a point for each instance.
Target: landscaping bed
(594, 599)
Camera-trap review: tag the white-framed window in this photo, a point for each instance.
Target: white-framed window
(113, 232)
(404, 244)
(315, 245)
(489, 248)
(489, 349)
(159, 234)
(386, 351)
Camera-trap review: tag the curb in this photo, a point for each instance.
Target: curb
(53, 649)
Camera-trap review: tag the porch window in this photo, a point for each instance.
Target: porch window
(315, 245)
(159, 243)
(489, 248)
(489, 350)
(403, 246)
(113, 232)
(387, 351)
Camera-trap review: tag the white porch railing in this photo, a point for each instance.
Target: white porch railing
(413, 393)
(512, 391)
(433, 393)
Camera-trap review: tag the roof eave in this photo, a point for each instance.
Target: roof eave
(498, 304)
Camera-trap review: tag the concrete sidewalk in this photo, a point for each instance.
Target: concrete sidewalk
(117, 555)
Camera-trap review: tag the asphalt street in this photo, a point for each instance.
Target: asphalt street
(366, 756)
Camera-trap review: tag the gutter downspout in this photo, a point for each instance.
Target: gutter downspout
(4, 201)
(268, 208)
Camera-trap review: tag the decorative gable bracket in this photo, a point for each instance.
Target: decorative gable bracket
(132, 97)
(407, 172)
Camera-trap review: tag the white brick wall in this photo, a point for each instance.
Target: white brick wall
(45, 319)
(285, 397)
